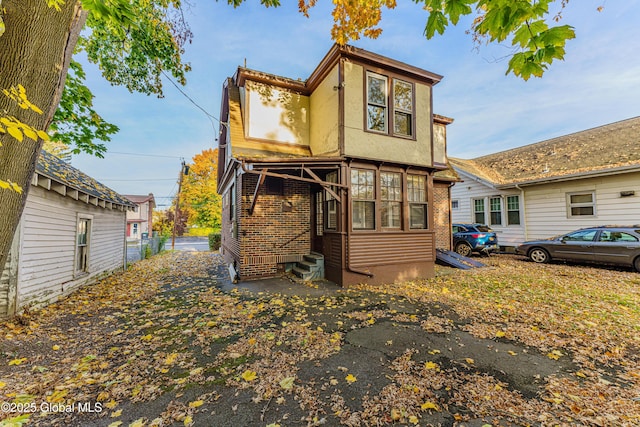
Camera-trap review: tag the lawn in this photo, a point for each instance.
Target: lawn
(165, 343)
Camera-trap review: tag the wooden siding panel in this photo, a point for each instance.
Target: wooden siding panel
(374, 249)
(546, 207)
(47, 263)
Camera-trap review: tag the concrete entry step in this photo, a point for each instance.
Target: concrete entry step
(311, 268)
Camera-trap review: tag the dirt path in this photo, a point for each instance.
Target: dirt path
(172, 342)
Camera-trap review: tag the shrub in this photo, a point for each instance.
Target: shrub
(214, 241)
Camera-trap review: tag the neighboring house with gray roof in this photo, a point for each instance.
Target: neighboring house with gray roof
(578, 180)
(72, 231)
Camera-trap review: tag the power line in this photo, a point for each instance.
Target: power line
(143, 155)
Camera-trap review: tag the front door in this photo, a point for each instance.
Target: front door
(317, 220)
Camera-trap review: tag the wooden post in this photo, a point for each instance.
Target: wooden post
(176, 215)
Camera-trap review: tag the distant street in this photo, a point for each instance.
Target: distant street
(198, 244)
(188, 243)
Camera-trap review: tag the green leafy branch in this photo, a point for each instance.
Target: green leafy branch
(524, 21)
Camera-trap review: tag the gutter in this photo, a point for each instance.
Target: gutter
(572, 177)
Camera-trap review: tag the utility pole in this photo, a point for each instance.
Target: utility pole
(184, 170)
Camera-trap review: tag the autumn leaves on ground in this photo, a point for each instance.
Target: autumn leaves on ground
(171, 342)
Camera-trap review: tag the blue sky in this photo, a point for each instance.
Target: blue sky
(598, 83)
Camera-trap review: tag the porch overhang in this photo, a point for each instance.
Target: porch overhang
(304, 170)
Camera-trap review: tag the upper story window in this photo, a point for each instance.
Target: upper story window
(402, 108)
(384, 94)
(376, 102)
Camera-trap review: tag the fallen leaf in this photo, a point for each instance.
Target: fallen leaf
(196, 403)
(431, 365)
(429, 405)
(16, 362)
(351, 378)
(249, 375)
(287, 383)
(116, 414)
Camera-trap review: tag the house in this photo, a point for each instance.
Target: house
(347, 168)
(140, 221)
(578, 180)
(72, 231)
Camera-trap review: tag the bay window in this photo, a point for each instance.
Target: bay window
(363, 195)
(391, 196)
(417, 197)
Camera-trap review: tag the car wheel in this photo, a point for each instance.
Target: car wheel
(463, 249)
(539, 255)
(636, 264)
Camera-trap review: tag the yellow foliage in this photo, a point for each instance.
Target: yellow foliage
(249, 375)
(351, 378)
(196, 403)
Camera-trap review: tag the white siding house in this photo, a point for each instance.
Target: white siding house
(552, 187)
(72, 231)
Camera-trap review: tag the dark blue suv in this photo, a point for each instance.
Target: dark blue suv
(469, 238)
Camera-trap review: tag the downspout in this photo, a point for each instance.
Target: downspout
(524, 212)
(124, 233)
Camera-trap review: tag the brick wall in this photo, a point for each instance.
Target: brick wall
(442, 214)
(277, 232)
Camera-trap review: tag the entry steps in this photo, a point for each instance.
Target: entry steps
(454, 259)
(311, 268)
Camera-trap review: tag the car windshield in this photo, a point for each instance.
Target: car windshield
(484, 228)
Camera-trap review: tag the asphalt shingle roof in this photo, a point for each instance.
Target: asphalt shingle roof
(58, 170)
(608, 147)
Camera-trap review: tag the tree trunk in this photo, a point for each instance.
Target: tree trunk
(35, 51)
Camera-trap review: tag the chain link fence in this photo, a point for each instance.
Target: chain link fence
(144, 248)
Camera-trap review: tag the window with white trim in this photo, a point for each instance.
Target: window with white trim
(478, 211)
(455, 204)
(513, 210)
(83, 241)
(417, 197)
(495, 204)
(363, 194)
(581, 204)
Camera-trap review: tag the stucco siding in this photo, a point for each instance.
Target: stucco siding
(359, 143)
(546, 205)
(47, 261)
(276, 114)
(324, 113)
